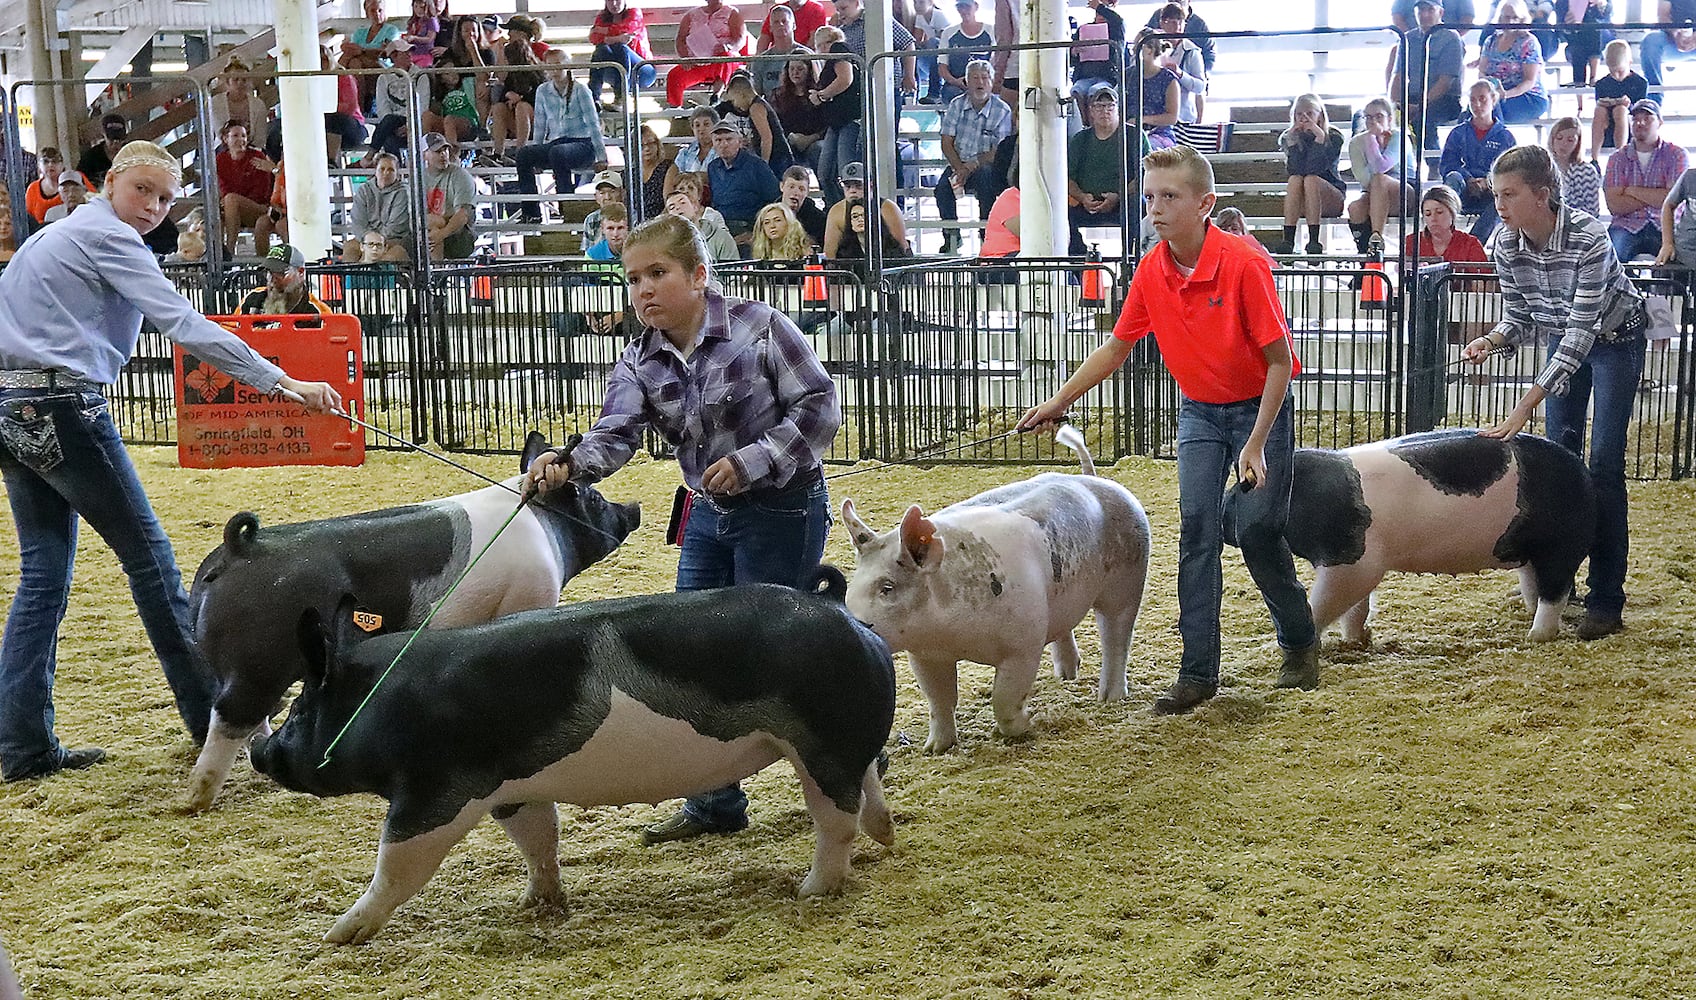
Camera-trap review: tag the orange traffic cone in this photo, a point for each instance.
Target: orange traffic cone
(812, 285)
(330, 290)
(1092, 294)
(483, 285)
(1372, 288)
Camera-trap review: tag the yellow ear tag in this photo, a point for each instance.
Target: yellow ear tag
(367, 621)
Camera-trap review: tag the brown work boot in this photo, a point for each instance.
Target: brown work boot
(1183, 696)
(1300, 669)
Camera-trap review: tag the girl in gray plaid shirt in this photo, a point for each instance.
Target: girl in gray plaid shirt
(1559, 274)
(742, 399)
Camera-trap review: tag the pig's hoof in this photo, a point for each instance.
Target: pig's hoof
(939, 742)
(1017, 727)
(1358, 640)
(200, 796)
(1549, 634)
(818, 884)
(354, 928)
(878, 824)
(1113, 690)
(543, 898)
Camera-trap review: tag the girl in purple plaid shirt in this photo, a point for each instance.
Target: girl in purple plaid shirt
(743, 401)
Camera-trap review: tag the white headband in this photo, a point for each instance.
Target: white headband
(141, 153)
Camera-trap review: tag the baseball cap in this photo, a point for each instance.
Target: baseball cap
(491, 21)
(1103, 92)
(965, 3)
(724, 126)
(73, 177)
(1645, 104)
(114, 124)
(1427, 3)
(610, 178)
(282, 257)
(520, 22)
(436, 140)
(855, 172)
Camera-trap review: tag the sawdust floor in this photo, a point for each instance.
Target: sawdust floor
(1456, 813)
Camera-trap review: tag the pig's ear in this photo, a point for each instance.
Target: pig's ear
(534, 444)
(315, 643)
(859, 532)
(918, 539)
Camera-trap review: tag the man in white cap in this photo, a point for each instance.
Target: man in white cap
(609, 190)
(73, 191)
(449, 200)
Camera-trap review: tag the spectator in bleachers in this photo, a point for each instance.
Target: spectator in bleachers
(1678, 229)
(566, 135)
(1439, 209)
(367, 46)
(244, 189)
(693, 158)
(930, 23)
(73, 193)
(609, 191)
(804, 123)
(1669, 43)
(796, 187)
(615, 226)
(97, 159)
(1469, 153)
(536, 29)
(1195, 29)
(1096, 159)
(395, 91)
(1098, 57)
(1584, 40)
(769, 74)
(760, 125)
(851, 18)
(8, 235)
(1385, 163)
(420, 34)
(685, 202)
(855, 245)
(1184, 60)
(853, 183)
(1638, 180)
(1230, 220)
(1160, 93)
(458, 101)
(1616, 92)
(276, 211)
(1006, 30)
(381, 205)
(712, 30)
(238, 101)
(778, 234)
(514, 114)
(1001, 233)
(344, 128)
(740, 181)
(1514, 59)
(450, 203)
(286, 291)
(971, 127)
(1457, 13)
(1315, 189)
(43, 192)
(1435, 60)
(808, 17)
(619, 35)
(1581, 179)
(838, 96)
(655, 164)
(191, 239)
(970, 34)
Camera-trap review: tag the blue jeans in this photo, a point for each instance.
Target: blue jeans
(1210, 437)
(841, 146)
(1657, 47)
(1628, 244)
(778, 539)
(1527, 107)
(924, 68)
(1610, 373)
(62, 459)
(982, 184)
(1483, 206)
(563, 156)
(600, 76)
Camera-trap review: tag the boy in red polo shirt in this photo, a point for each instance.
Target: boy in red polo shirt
(1209, 300)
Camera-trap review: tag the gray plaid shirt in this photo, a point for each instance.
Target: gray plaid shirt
(1574, 288)
(752, 389)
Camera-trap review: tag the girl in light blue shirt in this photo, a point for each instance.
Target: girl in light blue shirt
(71, 306)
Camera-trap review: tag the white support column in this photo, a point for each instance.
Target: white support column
(881, 81)
(38, 33)
(302, 110)
(1044, 83)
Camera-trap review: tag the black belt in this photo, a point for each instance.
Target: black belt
(801, 481)
(43, 378)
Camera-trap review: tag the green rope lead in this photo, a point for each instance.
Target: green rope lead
(421, 626)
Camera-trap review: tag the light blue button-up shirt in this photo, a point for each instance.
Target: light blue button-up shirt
(74, 296)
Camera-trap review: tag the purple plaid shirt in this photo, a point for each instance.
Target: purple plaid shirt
(1666, 166)
(753, 390)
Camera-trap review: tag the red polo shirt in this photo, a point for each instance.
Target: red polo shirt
(1212, 325)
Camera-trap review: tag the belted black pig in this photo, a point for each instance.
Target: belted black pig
(995, 578)
(250, 592)
(639, 699)
(1449, 501)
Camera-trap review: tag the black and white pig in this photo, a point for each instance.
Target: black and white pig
(1449, 501)
(605, 703)
(251, 591)
(995, 578)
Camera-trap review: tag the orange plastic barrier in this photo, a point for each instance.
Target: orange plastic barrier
(222, 423)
